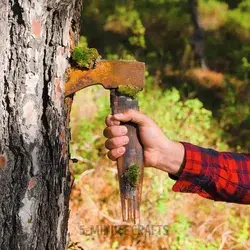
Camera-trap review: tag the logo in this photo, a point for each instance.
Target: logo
(108, 230)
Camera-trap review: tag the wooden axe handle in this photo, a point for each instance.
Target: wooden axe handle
(133, 157)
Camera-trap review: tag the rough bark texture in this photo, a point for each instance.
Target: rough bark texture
(34, 135)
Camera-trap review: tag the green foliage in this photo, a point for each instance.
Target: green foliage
(245, 68)
(85, 57)
(89, 142)
(160, 33)
(239, 22)
(115, 245)
(229, 40)
(180, 120)
(127, 21)
(234, 116)
(138, 28)
(181, 229)
(243, 234)
(242, 224)
(213, 14)
(244, 6)
(234, 111)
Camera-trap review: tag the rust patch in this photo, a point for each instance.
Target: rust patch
(110, 74)
(32, 183)
(57, 92)
(62, 136)
(36, 28)
(64, 152)
(3, 161)
(63, 143)
(67, 107)
(72, 39)
(58, 86)
(63, 51)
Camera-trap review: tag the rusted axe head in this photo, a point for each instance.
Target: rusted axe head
(110, 74)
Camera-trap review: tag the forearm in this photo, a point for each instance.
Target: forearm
(219, 176)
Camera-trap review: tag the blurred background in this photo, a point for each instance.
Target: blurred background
(197, 55)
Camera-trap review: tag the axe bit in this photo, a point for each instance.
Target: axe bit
(112, 75)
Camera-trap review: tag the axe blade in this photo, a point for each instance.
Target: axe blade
(109, 73)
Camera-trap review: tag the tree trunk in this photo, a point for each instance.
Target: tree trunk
(34, 135)
(198, 42)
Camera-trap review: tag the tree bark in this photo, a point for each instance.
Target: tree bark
(34, 135)
(198, 42)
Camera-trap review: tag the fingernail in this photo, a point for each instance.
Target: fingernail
(120, 115)
(121, 150)
(126, 140)
(124, 130)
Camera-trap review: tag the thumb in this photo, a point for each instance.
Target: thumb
(134, 116)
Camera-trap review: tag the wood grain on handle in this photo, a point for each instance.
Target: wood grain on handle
(130, 193)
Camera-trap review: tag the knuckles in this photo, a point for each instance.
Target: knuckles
(116, 142)
(114, 131)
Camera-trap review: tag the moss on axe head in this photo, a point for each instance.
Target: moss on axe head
(127, 76)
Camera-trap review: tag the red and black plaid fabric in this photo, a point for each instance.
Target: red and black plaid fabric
(220, 176)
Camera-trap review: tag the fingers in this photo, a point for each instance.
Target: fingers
(116, 153)
(116, 138)
(133, 116)
(129, 115)
(115, 131)
(111, 121)
(116, 142)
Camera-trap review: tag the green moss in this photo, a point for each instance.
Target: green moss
(132, 174)
(85, 57)
(129, 90)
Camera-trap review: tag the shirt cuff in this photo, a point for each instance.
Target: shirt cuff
(188, 180)
(220, 176)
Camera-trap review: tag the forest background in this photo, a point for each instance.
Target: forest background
(197, 55)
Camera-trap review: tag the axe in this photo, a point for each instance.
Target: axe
(123, 78)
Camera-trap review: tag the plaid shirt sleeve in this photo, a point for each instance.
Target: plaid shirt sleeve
(220, 176)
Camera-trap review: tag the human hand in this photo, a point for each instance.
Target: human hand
(159, 151)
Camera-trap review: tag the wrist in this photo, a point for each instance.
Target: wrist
(171, 157)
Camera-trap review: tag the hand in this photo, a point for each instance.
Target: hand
(159, 151)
